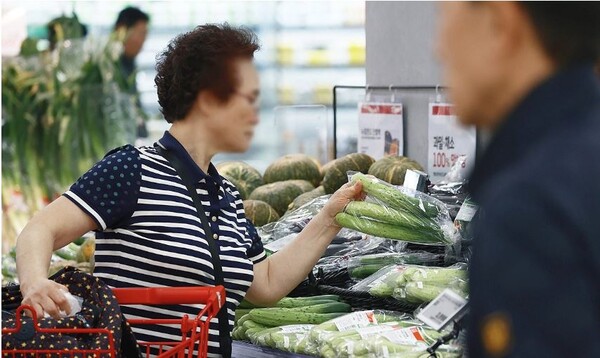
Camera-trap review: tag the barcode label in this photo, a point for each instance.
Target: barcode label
(355, 320)
(442, 309)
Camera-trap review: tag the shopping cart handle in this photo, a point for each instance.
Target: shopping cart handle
(168, 295)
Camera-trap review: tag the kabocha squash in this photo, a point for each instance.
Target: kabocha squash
(293, 166)
(305, 185)
(392, 169)
(259, 212)
(242, 175)
(306, 197)
(279, 195)
(335, 172)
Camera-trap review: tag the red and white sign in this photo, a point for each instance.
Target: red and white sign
(448, 140)
(381, 129)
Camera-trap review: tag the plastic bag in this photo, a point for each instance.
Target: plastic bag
(414, 284)
(290, 338)
(398, 213)
(277, 234)
(360, 267)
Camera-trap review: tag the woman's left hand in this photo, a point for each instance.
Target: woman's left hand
(338, 201)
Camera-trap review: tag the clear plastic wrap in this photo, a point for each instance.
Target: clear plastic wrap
(383, 282)
(415, 284)
(341, 337)
(360, 267)
(290, 338)
(277, 234)
(398, 213)
(375, 334)
(410, 342)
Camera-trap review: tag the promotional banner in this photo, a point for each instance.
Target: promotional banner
(381, 129)
(448, 140)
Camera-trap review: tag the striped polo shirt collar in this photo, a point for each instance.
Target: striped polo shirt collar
(171, 143)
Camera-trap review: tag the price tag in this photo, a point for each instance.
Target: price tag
(448, 141)
(355, 320)
(405, 336)
(442, 309)
(366, 332)
(466, 212)
(381, 129)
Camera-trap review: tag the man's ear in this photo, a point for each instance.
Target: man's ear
(511, 26)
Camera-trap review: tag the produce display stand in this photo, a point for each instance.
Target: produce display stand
(194, 330)
(241, 349)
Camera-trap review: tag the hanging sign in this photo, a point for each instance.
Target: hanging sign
(448, 140)
(381, 129)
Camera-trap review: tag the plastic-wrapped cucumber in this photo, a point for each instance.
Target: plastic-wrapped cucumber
(391, 231)
(395, 198)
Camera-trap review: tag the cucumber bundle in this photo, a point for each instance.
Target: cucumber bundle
(401, 217)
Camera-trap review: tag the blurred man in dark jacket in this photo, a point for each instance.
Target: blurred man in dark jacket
(525, 71)
(132, 26)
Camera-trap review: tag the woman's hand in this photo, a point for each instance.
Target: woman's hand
(338, 201)
(46, 296)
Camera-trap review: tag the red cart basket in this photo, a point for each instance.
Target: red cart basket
(194, 330)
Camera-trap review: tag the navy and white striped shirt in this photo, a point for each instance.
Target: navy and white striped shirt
(151, 235)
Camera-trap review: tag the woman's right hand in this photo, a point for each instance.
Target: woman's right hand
(46, 296)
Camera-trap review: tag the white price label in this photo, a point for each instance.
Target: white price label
(442, 309)
(355, 320)
(408, 336)
(466, 212)
(366, 332)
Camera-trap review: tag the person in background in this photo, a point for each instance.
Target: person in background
(132, 26)
(525, 71)
(148, 230)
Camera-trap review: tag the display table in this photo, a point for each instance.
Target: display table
(247, 350)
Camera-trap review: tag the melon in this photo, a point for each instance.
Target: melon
(279, 194)
(392, 169)
(242, 175)
(259, 213)
(306, 197)
(293, 166)
(336, 170)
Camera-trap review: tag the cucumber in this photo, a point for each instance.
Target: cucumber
(389, 215)
(390, 231)
(394, 197)
(365, 270)
(329, 307)
(241, 312)
(247, 304)
(278, 317)
(288, 302)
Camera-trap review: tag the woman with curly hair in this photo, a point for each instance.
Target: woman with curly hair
(148, 231)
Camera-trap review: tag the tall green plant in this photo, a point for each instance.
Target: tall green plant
(61, 112)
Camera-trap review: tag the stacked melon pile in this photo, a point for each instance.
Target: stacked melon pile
(293, 180)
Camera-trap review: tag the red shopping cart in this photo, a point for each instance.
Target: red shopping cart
(194, 330)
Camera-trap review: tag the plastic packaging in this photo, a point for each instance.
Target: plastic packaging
(363, 266)
(415, 284)
(75, 303)
(398, 213)
(290, 338)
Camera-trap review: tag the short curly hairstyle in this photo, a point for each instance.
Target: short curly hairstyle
(201, 59)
